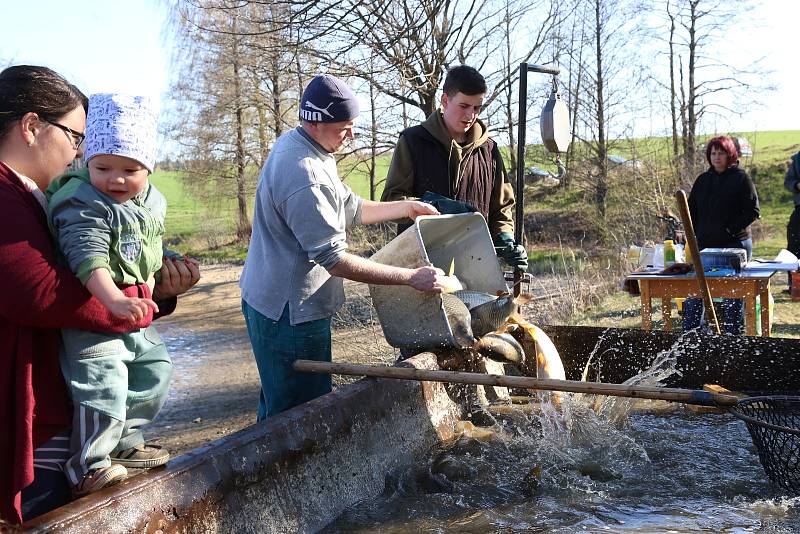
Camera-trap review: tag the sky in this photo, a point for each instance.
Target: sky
(121, 46)
(99, 45)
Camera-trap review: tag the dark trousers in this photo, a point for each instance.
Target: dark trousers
(276, 345)
(793, 232)
(793, 237)
(732, 309)
(49, 488)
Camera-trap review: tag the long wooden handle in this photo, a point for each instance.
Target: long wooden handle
(687, 396)
(691, 240)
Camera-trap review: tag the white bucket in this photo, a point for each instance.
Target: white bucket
(415, 320)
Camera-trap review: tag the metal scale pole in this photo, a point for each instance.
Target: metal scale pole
(524, 69)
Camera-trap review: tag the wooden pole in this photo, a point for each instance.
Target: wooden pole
(687, 396)
(691, 240)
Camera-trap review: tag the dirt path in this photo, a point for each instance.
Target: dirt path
(215, 384)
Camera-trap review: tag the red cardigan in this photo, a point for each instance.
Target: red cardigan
(39, 298)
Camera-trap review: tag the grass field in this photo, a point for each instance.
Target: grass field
(771, 149)
(194, 226)
(190, 218)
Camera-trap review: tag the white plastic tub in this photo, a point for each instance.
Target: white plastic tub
(415, 320)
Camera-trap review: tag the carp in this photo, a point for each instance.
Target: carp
(451, 283)
(474, 298)
(536, 342)
(501, 347)
(489, 313)
(459, 319)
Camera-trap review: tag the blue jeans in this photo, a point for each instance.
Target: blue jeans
(732, 309)
(276, 345)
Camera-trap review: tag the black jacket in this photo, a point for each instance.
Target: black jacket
(723, 205)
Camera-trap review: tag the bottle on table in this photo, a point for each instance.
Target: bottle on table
(669, 253)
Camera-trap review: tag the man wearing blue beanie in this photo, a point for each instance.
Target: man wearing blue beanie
(292, 282)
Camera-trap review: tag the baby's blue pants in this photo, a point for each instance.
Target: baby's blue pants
(118, 383)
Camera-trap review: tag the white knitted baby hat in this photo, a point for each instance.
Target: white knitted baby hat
(122, 125)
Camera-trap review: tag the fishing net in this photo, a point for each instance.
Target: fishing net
(774, 425)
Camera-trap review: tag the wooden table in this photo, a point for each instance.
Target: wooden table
(747, 286)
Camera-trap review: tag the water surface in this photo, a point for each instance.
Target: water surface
(660, 468)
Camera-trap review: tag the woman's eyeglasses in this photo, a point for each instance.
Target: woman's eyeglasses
(75, 137)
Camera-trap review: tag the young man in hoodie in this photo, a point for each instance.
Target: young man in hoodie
(292, 278)
(451, 162)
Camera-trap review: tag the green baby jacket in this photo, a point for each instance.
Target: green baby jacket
(92, 230)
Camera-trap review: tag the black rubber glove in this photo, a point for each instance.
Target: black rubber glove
(513, 254)
(446, 206)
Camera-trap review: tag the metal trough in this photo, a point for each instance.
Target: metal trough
(297, 472)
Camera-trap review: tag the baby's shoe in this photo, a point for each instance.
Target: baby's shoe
(141, 456)
(97, 479)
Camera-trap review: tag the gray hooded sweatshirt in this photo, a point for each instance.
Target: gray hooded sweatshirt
(302, 210)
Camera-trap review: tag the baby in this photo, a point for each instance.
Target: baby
(108, 221)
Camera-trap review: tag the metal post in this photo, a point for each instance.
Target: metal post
(522, 119)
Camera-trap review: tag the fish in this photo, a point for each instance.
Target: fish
(459, 319)
(501, 347)
(450, 282)
(474, 298)
(492, 314)
(530, 482)
(548, 361)
(542, 355)
(535, 342)
(468, 429)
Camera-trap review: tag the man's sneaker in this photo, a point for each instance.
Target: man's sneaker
(141, 456)
(97, 479)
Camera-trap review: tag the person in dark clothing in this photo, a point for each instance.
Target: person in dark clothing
(792, 184)
(451, 162)
(723, 203)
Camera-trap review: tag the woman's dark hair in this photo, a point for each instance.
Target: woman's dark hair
(464, 79)
(26, 88)
(725, 144)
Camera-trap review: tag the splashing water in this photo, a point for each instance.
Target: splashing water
(577, 463)
(616, 409)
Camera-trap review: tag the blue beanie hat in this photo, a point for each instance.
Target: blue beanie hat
(328, 99)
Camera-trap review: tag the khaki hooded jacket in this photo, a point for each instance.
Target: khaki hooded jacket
(400, 179)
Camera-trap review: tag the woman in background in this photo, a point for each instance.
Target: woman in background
(723, 204)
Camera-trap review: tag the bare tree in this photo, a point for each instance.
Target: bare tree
(544, 48)
(708, 85)
(575, 75)
(212, 116)
(672, 95)
(607, 73)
